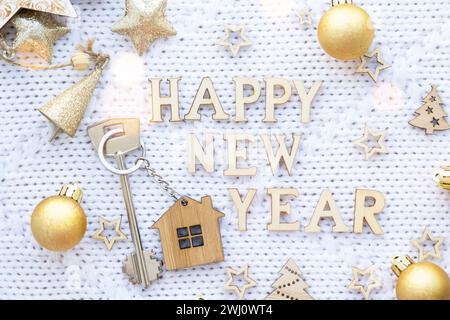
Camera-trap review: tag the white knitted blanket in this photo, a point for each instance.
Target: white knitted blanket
(413, 37)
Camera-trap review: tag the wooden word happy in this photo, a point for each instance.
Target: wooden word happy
(207, 96)
(326, 208)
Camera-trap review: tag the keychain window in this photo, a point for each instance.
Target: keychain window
(190, 237)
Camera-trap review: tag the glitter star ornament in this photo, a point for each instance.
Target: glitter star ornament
(36, 32)
(8, 8)
(373, 283)
(144, 22)
(420, 245)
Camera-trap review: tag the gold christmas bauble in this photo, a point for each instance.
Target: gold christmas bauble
(421, 281)
(58, 223)
(345, 31)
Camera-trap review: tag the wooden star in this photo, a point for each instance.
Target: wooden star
(119, 234)
(8, 8)
(381, 65)
(374, 283)
(305, 17)
(419, 244)
(227, 41)
(240, 290)
(362, 142)
(36, 33)
(144, 22)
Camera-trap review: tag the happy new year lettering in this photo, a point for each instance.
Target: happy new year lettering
(207, 96)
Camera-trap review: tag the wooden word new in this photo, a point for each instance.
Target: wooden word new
(204, 154)
(326, 208)
(207, 96)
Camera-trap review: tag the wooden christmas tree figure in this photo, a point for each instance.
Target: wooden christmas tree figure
(290, 285)
(431, 115)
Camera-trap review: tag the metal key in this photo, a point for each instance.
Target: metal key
(115, 138)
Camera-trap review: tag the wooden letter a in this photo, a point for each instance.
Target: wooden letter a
(326, 208)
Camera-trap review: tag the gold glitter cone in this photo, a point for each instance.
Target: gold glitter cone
(66, 110)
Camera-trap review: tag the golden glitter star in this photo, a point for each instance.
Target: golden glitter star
(240, 290)
(8, 8)
(374, 281)
(419, 244)
(36, 33)
(119, 234)
(362, 142)
(305, 17)
(227, 40)
(144, 22)
(381, 65)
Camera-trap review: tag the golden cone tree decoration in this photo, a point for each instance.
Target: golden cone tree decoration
(66, 110)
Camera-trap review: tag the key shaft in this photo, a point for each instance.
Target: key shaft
(141, 271)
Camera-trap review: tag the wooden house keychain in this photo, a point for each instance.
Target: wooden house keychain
(189, 229)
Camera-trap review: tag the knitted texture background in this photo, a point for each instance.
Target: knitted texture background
(412, 37)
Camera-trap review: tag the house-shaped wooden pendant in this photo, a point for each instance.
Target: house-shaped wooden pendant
(190, 233)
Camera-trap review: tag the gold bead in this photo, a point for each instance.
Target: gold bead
(80, 61)
(58, 223)
(420, 281)
(345, 31)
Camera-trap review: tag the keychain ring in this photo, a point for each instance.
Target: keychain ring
(101, 155)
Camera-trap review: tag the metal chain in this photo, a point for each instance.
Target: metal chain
(159, 179)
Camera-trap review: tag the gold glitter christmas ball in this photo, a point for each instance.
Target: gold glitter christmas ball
(420, 281)
(58, 222)
(345, 31)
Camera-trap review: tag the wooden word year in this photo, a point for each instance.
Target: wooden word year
(326, 208)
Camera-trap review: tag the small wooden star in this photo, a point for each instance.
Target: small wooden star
(119, 234)
(240, 291)
(144, 22)
(362, 68)
(305, 17)
(419, 244)
(374, 283)
(37, 32)
(362, 142)
(226, 40)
